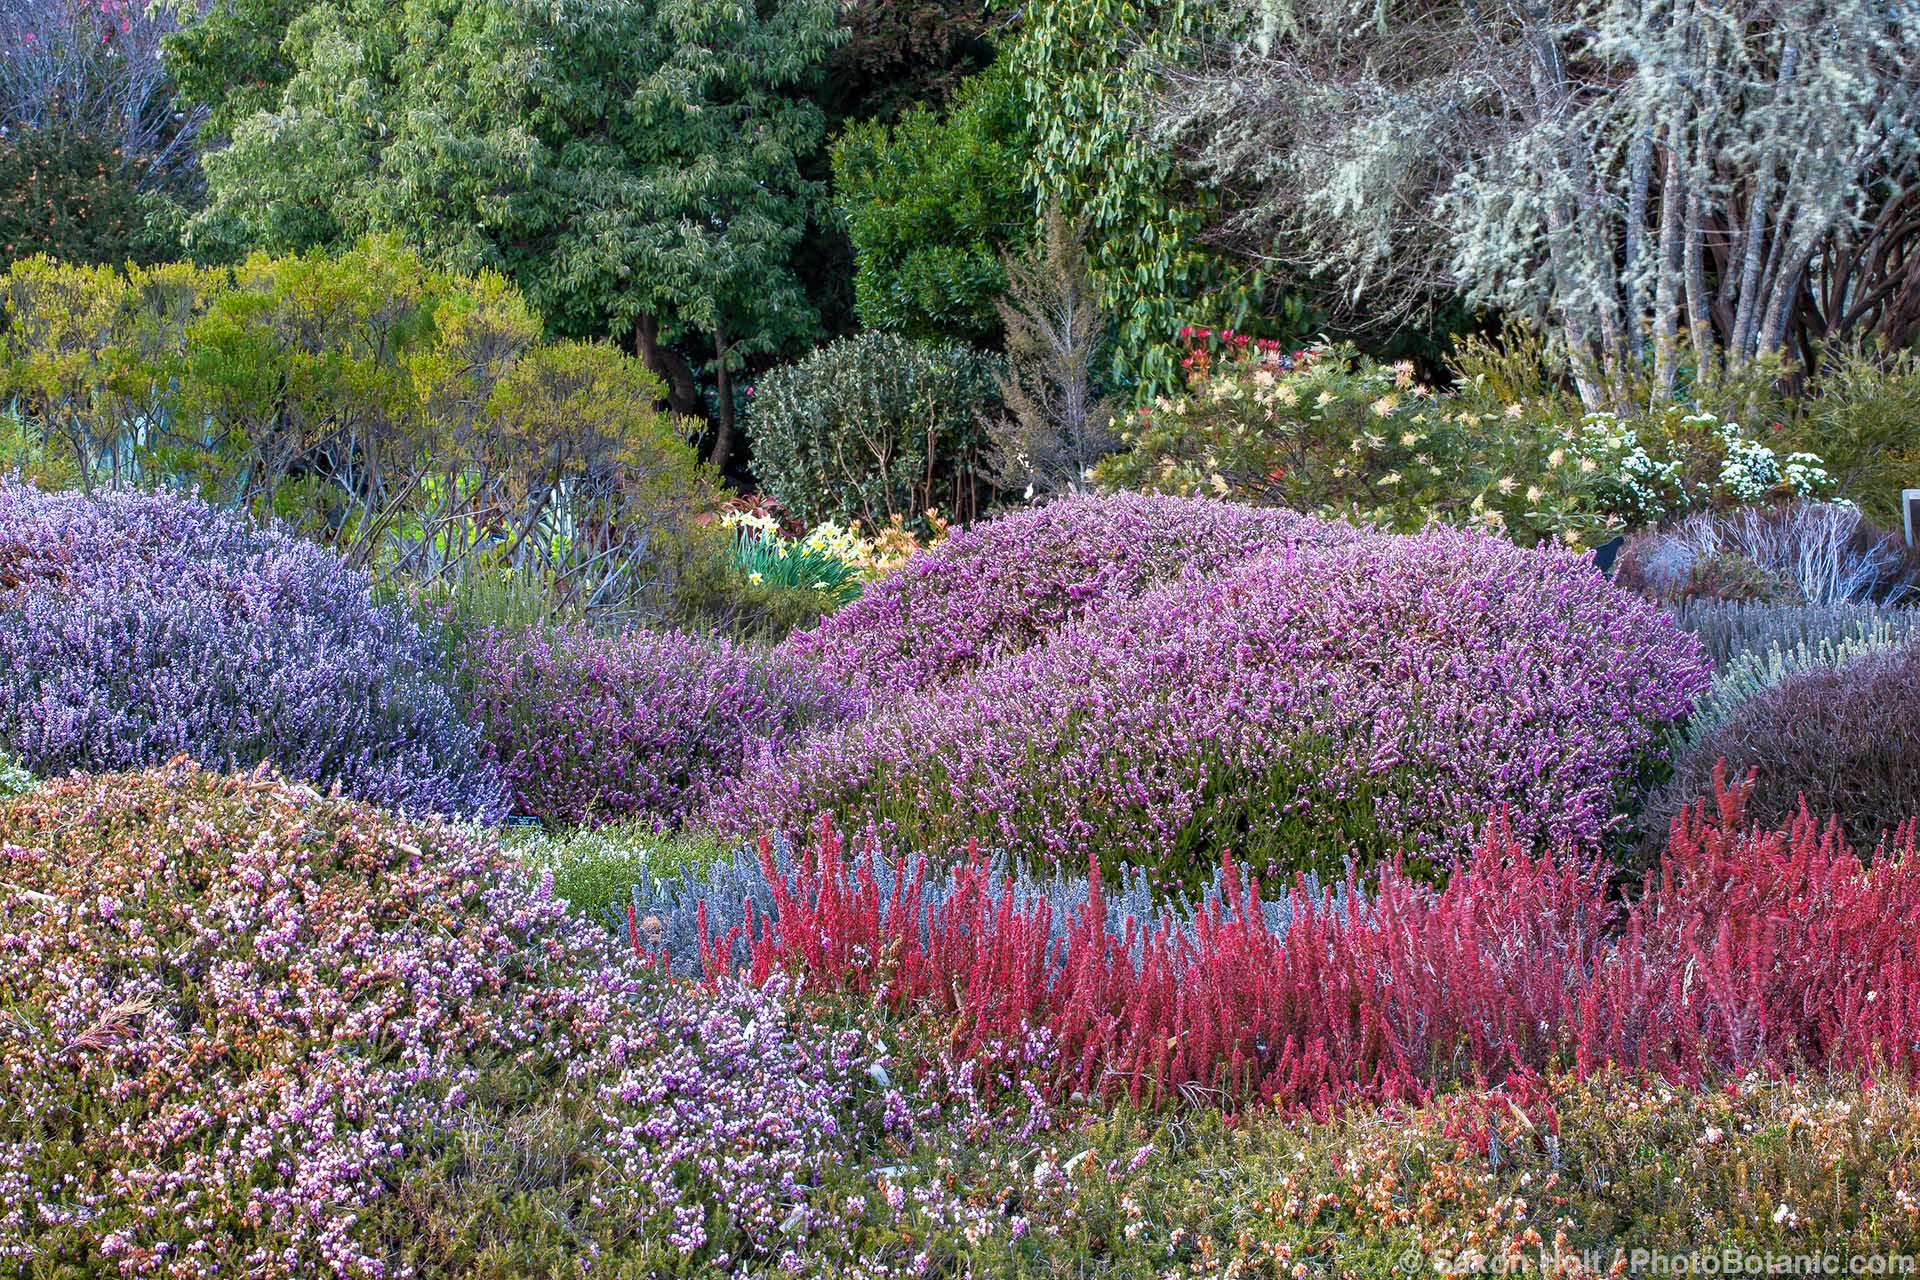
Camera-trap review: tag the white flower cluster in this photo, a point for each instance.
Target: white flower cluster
(1752, 471)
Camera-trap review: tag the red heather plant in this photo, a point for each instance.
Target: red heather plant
(594, 728)
(1761, 949)
(1004, 585)
(1332, 699)
(1770, 945)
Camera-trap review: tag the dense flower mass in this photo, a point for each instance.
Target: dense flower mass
(1334, 698)
(242, 1011)
(136, 626)
(594, 728)
(1004, 585)
(246, 1029)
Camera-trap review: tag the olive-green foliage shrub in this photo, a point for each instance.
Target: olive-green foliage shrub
(71, 196)
(1486, 1182)
(874, 426)
(1863, 417)
(931, 203)
(414, 418)
(1328, 430)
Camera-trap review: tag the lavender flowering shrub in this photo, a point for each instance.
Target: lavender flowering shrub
(252, 1030)
(1004, 585)
(592, 728)
(138, 626)
(1329, 700)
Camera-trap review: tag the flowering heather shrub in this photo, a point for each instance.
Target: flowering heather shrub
(1760, 948)
(1316, 703)
(1002, 586)
(591, 728)
(249, 1030)
(237, 1007)
(1842, 739)
(138, 626)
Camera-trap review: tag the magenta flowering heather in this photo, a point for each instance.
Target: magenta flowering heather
(1004, 585)
(1326, 700)
(138, 626)
(588, 728)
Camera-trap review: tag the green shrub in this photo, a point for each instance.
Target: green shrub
(931, 203)
(1329, 431)
(1486, 1182)
(1863, 417)
(413, 418)
(72, 196)
(593, 868)
(874, 426)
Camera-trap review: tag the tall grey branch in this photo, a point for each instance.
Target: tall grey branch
(1726, 178)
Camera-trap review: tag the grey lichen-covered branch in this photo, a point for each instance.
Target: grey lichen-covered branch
(1660, 180)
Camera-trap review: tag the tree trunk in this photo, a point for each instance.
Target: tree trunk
(683, 394)
(723, 389)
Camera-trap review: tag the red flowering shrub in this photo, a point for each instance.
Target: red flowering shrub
(1761, 948)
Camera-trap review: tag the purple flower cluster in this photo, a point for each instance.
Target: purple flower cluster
(1332, 698)
(138, 626)
(591, 728)
(1002, 586)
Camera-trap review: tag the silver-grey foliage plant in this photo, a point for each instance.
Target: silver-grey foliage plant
(667, 911)
(1738, 177)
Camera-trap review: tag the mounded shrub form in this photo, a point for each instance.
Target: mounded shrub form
(595, 728)
(246, 1029)
(138, 626)
(1842, 739)
(1336, 698)
(1005, 585)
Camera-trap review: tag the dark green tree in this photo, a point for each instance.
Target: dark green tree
(636, 167)
(932, 205)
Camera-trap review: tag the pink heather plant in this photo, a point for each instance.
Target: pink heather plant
(248, 1030)
(138, 626)
(593, 728)
(999, 587)
(1330, 699)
